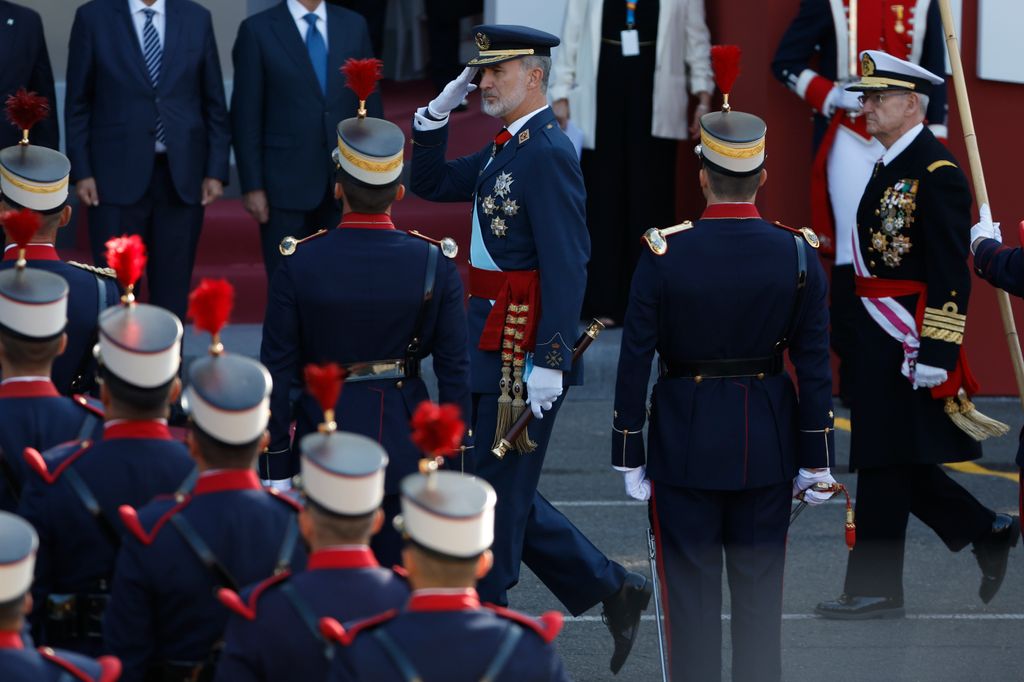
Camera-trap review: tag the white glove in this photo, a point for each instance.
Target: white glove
(637, 485)
(926, 376)
(281, 485)
(804, 483)
(985, 228)
(453, 93)
(542, 389)
(841, 98)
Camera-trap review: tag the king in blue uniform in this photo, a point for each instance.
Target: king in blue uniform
(226, 531)
(721, 301)
(527, 277)
(19, 661)
(274, 631)
(339, 299)
(36, 178)
(74, 492)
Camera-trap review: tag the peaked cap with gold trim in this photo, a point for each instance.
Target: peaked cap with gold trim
(503, 42)
(882, 71)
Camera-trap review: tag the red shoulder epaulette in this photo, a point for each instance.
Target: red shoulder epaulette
(110, 666)
(333, 631)
(809, 235)
(287, 499)
(547, 626)
(90, 404)
(130, 519)
(37, 462)
(233, 600)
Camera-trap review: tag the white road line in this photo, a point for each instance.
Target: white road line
(811, 616)
(634, 503)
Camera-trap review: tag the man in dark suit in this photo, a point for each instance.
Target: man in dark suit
(147, 130)
(24, 63)
(288, 96)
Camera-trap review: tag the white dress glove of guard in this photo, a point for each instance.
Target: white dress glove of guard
(841, 98)
(637, 485)
(453, 93)
(985, 228)
(542, 389)
(805, 480)
(281, 485)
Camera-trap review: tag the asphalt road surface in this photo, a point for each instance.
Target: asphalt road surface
(947, 636)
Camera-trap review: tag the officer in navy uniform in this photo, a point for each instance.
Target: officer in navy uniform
(813, 61)
(36, 178)
(448, 520)
(524, 183)
(337, 299)
(914, 283)
(274, 632)
(33, 316)
(1002, 267)
(19, 661)
(228, 531)
(74, 492)
(727, 433)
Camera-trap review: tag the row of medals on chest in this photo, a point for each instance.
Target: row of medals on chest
(896, 211)
(498, 202)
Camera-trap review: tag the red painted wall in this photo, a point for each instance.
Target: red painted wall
(757, 28)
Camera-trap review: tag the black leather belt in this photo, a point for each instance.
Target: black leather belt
(721, 369)
(376, 370)
(78, 616)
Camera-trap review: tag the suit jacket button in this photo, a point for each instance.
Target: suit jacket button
(760, 375)
(399, 383)
(697, 379)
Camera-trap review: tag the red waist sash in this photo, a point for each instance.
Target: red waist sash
(516, 294)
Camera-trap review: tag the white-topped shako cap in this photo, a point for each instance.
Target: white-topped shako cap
(449, 513)
(343, 472)
(33, 303)
(881, 71)
(140, 344)
(371, 150)
(732, 142)
(18, 546)
(34, 177)
(228, 397)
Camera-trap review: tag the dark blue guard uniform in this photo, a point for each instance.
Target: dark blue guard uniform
(448, 517)
(19, 661)
(164, 619)
(33, 317)
(721, 301)
(340, 299)
(274, 632)
(73, 496)
(529, 252)
(913, 279)
(36, 178)
(34, 414)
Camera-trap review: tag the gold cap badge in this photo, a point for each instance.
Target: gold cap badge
(867, 65)
(482, 41)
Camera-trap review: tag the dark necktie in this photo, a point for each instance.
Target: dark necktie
(317, 51)
(153, 53)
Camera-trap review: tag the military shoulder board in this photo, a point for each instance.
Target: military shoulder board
(809, 235)
(449, 247)
(95, 269)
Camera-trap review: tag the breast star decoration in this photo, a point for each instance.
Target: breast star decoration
(499, 201)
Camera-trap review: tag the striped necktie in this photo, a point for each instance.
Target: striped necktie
(153, 53)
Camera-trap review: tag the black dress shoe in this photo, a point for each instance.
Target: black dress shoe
(622, 615)
(850, 607)
(992, 553)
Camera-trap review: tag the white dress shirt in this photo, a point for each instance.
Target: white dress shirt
(902, 143)
(299, 15)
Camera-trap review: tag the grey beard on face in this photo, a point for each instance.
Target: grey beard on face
(503, 105)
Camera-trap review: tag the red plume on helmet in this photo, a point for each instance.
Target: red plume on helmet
(127, 256)
(361, 76)
(324, 383)
(209, 306)
(437, 429)
(25, 109)
(20, 227)
(725, 60)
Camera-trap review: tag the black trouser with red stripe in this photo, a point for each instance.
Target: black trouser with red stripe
(691, 529)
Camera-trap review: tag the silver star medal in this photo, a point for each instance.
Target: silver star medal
(498, 226)
(502, 184)
(510, 207)
(488, 204)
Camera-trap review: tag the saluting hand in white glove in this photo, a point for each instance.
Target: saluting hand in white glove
(453, 93)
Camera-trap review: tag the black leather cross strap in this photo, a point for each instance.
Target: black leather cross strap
(508, 645)
(203, 552)
(307, 615)
(412, 351)
(798, 299)
(397, 656)
(720, 369)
